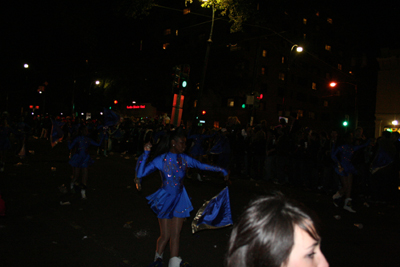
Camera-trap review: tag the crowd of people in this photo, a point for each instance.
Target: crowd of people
(289, 154)
(340, 164)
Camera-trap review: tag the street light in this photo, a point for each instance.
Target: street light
(209, 42)
(299, 49)
(26, 66)
(333, 84)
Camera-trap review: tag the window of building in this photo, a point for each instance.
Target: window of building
(264, 53)
(176, 33)
(328, 75)
(325, 103)
(304, 35)
(311, 115)
(300, 113)
(165, 45)
(216, 124)
(328, 47)
(339, 66)
(314, 86)
(263, 71)
(304, 21)
(195, 103)
(234, 47)
(281, 76)
(317, 14)
(231, 102)
(283, 59)
(329, 20)
(186, 11)
(167, 31)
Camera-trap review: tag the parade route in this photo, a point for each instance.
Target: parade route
(44, 226)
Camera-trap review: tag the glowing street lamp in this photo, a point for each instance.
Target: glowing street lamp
(26, 66)
(395, 122)
(299, 49)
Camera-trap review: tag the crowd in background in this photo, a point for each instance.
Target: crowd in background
(286, 153)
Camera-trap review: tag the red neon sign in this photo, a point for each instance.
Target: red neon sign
(136, 107)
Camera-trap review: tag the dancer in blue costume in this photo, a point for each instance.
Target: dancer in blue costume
(81, 160)
(346, 169)
(171, 202)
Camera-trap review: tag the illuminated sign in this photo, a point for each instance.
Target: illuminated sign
(136, 107)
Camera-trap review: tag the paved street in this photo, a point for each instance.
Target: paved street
(115, 226)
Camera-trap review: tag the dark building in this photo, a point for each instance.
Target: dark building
(257, 74)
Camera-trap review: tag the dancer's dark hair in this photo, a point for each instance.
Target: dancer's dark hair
(264, 235)
(165, 143)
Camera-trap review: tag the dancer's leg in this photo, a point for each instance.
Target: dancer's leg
(165, 234)
(176, 228)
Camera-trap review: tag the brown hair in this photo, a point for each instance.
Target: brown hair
(264, 235)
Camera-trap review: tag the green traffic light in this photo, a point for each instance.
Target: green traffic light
(243, 105)
(184, 84)
(345, 123)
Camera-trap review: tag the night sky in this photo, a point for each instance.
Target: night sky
(56, 38)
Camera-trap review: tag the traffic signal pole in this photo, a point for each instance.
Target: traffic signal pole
(203, 77)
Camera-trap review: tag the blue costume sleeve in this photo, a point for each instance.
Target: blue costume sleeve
(92, 142)
(355, 148)
(145, 169)
(71, 145)
(192, 163)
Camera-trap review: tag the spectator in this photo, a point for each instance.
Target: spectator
(274, 231)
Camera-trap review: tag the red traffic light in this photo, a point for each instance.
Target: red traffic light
(260, 96)
(203, 112)
(115, 101)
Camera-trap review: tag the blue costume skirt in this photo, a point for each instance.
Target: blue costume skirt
(348, 169)
(167, 205)
(81, 161)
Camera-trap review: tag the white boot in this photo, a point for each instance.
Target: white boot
(174, 262)
(158, 256)
(83, 193)
(347, 205)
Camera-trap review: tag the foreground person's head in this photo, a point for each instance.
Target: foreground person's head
(275, 232)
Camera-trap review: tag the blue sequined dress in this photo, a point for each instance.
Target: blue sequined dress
(81, 158)
(346, 153)
(171, 200)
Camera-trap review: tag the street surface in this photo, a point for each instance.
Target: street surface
(115, 226)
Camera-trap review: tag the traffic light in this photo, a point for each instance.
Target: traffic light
(180, 78)
(243, 105)
(115, 101)
(184, 83)
(345, 123)
(203, 112)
